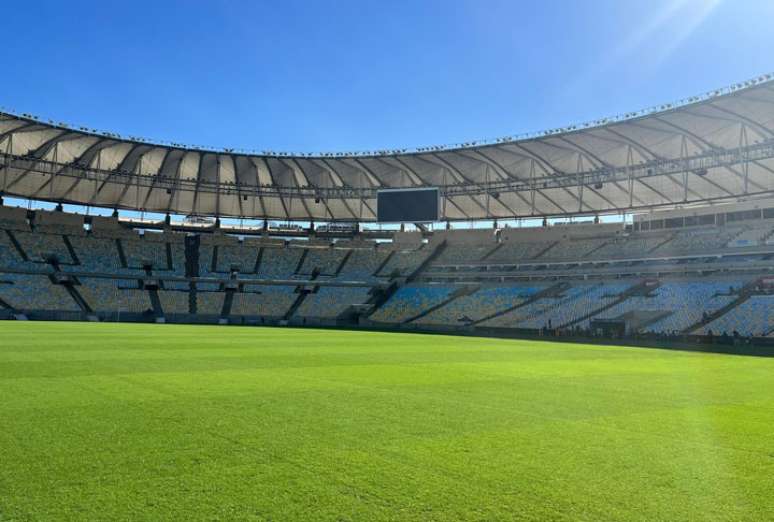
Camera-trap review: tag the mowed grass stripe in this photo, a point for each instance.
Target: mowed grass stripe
(116, 422)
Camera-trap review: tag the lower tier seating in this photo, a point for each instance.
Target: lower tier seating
(26, 293)
(330, 302)
(263, 300)
(481, 303)
(410, 301)
(683, 302)
(753, 317)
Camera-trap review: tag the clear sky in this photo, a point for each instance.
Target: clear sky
(360, 75)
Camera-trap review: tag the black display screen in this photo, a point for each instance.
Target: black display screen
(407, 205)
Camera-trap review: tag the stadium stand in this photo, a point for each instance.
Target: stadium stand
(10, 256)
(410, 301)
(753, 317)
(97, 254)
(681, 303)
(146, 251)
(631, 246)
(40, 247)
(263, 301)
(241, 257)
(330, 302)
(114, 296)
(685, 250)
(25, 292)
(534, 314)
(562, 279)
(323, 260)
(279, 263)
(514, 252)
(405, 262)
(584, 300)
(174, 301)
(209, 303)
(362, 264)
(481, 303)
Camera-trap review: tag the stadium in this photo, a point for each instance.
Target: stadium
(693, 263)
(572, 324)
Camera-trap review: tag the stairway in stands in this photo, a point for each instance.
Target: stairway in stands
(552, 291)
(745, 293)
(767, 236)
(192, 243)
(428, 261)
(489, 254)
(545, 250)
(384, 262)
(666, 241)
(642, 288)
(302, 293)
(460, 292)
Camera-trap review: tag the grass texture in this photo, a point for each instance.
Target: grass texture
(169, 422)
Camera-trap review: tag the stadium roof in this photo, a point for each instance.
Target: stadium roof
(715, 147)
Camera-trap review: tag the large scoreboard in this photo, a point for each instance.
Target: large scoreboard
(407, 205)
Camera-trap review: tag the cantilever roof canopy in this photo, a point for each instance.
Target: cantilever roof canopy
(714, 147)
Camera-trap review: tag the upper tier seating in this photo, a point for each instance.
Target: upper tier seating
(326, 260)
(573, 249)
(405, 262)
(176, 285)
(753, 236)
(279, 263)
(141, 252)
(97, 255)
(631, 246)
(9, 255)
(40, 247)
(362, 264)
(513, 252)
(205, 259)
(409, 301)
(242, 257)
(178, 258)
(698, 240)
(13, 218)
(462, 253)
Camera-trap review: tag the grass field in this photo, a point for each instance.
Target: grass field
(162, 422)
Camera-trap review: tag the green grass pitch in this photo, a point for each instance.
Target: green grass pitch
(163, 422)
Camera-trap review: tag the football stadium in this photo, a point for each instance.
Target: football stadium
(572, 324)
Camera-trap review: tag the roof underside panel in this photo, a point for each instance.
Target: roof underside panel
(584, 169)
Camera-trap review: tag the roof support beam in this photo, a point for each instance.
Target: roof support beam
(279, 196)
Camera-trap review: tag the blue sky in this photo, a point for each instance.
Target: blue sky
(361, 75)
(365, 75)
